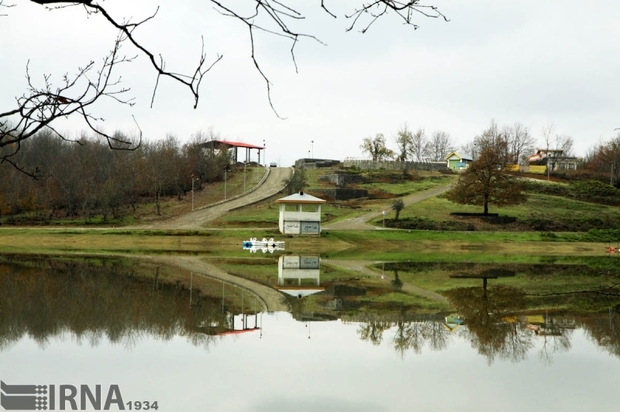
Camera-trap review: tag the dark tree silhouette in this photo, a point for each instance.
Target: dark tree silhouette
(398, 205)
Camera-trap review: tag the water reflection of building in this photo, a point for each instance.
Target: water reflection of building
(548, 326)
(299, 276)
(452, 322)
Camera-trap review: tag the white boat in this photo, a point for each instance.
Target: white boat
(266, 245)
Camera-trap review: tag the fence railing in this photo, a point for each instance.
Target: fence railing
(394, 165)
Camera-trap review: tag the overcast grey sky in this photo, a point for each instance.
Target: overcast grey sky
(522, 61)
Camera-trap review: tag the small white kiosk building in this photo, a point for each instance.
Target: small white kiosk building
(300, 214)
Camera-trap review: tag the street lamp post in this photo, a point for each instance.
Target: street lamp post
(191, 281)
(312, 147)
(193, 180)
(264, 153)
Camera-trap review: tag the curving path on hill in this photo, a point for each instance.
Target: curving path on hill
(200, 218)
(271, 299)
(359, 222)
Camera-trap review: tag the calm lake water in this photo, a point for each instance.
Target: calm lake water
(76, 323)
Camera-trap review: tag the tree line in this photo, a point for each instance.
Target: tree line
(520, 142)
(118, 301)
(419, 146)
(88, 179)
(486, 181)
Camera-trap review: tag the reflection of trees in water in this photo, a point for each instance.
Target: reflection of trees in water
(412, 332)
(414, 336)
(397, 284)
(489, 314)
(555, 343)
(604, 330)
(93, 302)
(373, 331)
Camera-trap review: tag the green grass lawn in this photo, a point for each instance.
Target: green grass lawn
(409, 187)
(554, 285)
(439, 208)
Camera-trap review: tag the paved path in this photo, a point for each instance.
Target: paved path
(359, 222)
(199, 219)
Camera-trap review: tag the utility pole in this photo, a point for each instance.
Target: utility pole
(193, 180)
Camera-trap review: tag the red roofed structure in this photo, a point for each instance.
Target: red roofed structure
(228, 145)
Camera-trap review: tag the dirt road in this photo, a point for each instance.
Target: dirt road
(273, 301)
(359, 223)
(200, 218)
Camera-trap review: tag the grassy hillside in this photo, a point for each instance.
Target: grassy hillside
(552, 207)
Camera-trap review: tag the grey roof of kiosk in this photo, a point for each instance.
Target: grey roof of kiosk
(301, 197)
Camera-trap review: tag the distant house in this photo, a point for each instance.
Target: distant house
(457, 162)
(554, 159)
(300, 214)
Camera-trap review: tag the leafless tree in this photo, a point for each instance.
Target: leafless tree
(565, 144)
(419, 144)
(554, 141)
(470, 149)
(439, 145)
(546, 133)
(520, 141)
(46, 101)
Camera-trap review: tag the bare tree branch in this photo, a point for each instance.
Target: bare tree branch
(41, 105)
(44, 103)
(281, 15)
(403, 9)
